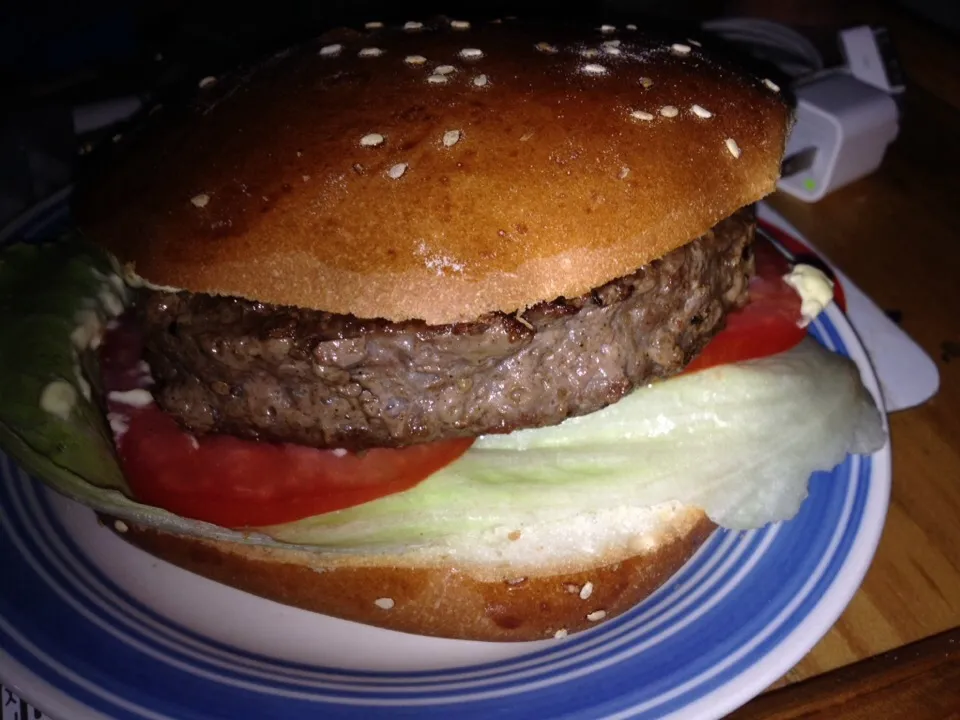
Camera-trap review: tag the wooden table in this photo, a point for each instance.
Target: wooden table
(897, 234)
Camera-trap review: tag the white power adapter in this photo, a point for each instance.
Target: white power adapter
(842, 130)
(846, 117)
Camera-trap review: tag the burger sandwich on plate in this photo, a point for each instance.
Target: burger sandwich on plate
(453, 328)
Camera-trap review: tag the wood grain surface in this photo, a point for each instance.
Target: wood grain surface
(897, 234)
(918, 682)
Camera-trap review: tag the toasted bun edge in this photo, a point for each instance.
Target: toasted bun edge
(443, 600)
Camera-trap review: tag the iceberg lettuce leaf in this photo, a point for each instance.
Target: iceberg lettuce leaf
(739, 441)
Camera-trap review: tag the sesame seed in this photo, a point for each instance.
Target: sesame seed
(560, 634)
(700, 112)
(646, 82)
(589, 52)
(413, 25)
(680, 49)
(669, 111)
(437, 79)
(200, 200)
(460, 24)
(571, 588)
(612, 50)
(733, 147)
(771, 84)
(586, 591)
(624, 172)
(526, 136)
(631, 27)
(397, 171)
(594, 69)
(607, 29)
(610, 43)
(445, 69)
(546, 48)
(373, 25)
(384, 603)
(331, 50)
(597, 615)
(695, 43)
(471, 53)
(370, 52)
(480, 80)
(120, 526)
(451, 138)
(641, 115)
(371, 140)
(306, 178)
(340, 452)
(207, 82)
(414, 59)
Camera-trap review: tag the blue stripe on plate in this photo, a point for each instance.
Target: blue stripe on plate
(115, 601)
(112, 650)
(108, 599)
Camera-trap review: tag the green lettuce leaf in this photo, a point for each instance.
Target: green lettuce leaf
(42, 288)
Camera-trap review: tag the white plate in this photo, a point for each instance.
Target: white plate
(91, 627)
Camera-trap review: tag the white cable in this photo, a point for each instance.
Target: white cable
(791, 51)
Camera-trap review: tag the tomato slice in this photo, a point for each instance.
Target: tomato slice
(240, 483)
(767, 325)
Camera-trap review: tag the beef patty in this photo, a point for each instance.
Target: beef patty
(283, 374)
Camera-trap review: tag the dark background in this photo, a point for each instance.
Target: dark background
(56, 47)
(56, 54)
(89, 47)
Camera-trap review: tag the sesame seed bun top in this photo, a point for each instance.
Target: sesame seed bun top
(438, 171)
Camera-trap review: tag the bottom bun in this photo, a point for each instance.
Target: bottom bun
(445, 601)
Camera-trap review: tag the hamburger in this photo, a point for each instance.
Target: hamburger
(388, 327)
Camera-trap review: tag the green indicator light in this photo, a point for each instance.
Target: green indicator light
(810, 184)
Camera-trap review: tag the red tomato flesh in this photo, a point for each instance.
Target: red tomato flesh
(768, 324)
(240, 483)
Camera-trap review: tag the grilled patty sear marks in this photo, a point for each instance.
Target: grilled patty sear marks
(282, 374)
